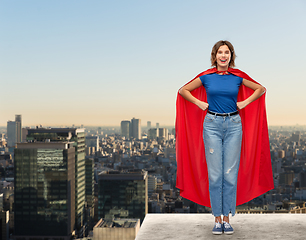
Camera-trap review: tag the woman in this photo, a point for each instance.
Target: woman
(222, 135)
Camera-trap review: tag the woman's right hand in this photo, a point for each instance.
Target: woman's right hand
(185, 93)
(202, 105)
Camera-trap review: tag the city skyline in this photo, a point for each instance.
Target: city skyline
(98, 63)
(38, 169)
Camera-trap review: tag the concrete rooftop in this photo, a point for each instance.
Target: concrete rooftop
(246, 226)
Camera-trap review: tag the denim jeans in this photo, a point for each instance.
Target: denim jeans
(222, 139)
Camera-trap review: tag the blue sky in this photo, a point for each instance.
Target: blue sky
(100, 62)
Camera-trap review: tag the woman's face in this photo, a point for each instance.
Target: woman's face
(223, 56)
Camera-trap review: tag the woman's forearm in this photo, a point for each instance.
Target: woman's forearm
(256, 94)
(188, 96)
(185, 92)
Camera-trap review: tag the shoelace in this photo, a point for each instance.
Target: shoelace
(227, 225)
(218, 225)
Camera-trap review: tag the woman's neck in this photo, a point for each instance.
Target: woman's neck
(222, 69)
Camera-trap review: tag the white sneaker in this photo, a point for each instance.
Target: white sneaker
(227, 228)
(217, 228)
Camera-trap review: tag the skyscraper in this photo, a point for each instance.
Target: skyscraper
(14, 131)
(125, 129)
(11, 134)
(135, 128)
(148, 124)
(153, 133)
(163, 133)
(18, 128)
(44, 190)
(77, 136)
(123, 194)
(90, 190)
(24, 133)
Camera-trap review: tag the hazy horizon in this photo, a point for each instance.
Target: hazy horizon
(143, 126)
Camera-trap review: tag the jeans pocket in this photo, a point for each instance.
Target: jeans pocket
(209, 118)
(235, 118)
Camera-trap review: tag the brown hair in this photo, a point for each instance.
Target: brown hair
(215, 49)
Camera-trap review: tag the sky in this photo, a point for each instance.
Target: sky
(98, 62)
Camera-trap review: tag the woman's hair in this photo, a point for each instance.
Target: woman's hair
(215, 49)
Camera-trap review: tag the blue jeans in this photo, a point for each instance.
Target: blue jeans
(222, 139)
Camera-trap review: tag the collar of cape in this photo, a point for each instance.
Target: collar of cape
(233, 71)
(255, 169)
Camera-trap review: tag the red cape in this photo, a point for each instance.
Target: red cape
(255, 170)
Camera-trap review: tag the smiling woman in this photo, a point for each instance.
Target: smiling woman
(215, 159)
(223, 54)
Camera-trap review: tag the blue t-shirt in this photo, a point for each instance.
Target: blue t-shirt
(222, 91)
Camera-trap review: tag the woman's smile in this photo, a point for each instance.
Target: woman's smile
(223, 56)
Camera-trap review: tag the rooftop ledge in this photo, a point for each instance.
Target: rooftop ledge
(199, 226)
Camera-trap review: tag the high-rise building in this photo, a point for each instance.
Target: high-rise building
(286, 178)
(92, 142)
(153, 133)
(148, 124)
(90, 190)
(44, 190)
(18, 128)
(135, 128)
(163, 133)
(24, 133)
(11, 134)
(277, 166)
(302, 179)
(152, 184)
(123, 194)
(125, 129)
(77, 136)
(157, 125)
(14, 131)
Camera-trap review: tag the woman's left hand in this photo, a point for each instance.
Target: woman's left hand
(241, 105)
(258, 91)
